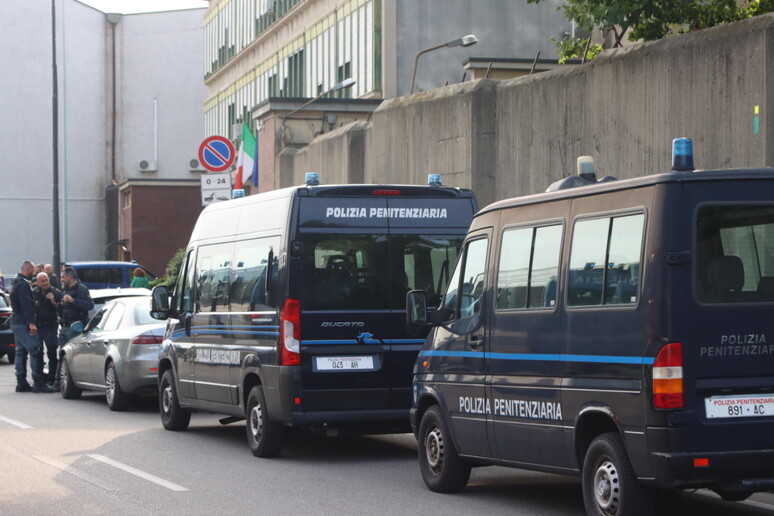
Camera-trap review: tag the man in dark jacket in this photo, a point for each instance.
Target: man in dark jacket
(47, 299)
(25, 332)
(74, 308)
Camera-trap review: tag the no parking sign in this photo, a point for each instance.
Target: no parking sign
(216, 153)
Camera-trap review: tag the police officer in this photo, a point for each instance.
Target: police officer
(74, 308)
(25, 332)
(46, 299)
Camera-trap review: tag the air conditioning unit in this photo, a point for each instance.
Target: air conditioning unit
(267, 8)
(195, 166)
(147, 165)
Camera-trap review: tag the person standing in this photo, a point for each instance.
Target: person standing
(53, 279)
(74, 308)
(25, 332)
(46, 299)
(139, 280)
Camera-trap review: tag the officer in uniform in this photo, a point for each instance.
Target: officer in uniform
(25, 332)
(46, 299)
(74, 308)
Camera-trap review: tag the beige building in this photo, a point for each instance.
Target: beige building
(265, 58)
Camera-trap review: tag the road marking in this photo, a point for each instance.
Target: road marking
(71, 470)
(137, 472)
(15, 423)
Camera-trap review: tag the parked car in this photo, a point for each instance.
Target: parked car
(7, 346)
(117, 353)
(106, 274)
(100, 296)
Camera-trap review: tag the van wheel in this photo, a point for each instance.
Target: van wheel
(732, 496)
(610, 486)
(442, 469)
(66, 384)
(264, 436)
(11, 356)
(173, 417)
(116, 398)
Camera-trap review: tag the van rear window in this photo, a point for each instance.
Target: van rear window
(373, 272)
(734, 254)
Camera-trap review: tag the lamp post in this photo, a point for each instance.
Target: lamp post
(464, 41)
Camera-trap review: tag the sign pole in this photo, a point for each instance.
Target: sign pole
(55, 140)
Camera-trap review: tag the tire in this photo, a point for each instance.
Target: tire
(115, 397)
(11, 356)
(264, 436)
(173, 417)
(610, 486)
(442, 468)
(66, 383)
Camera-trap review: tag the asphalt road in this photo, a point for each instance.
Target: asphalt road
(77, 457)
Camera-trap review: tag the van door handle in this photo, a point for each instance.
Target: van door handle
(475, 341)
(106, 342)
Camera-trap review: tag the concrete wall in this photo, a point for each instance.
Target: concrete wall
(505, 139)
(340, 154)
(625, 107)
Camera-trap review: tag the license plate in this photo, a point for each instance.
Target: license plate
(344, 363)
(748, 405)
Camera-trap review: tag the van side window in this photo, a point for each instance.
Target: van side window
(213, 267)
(605, 261)
(466, 289)
(248, 274)
(182, 294)
(529, 263)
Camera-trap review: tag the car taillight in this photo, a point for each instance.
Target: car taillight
(290, 333)
(147, 338)
(668, 377)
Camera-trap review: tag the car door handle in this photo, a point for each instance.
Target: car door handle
(475, 341)
(88, 343)
(106, 342)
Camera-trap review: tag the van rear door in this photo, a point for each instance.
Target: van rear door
(727, 325)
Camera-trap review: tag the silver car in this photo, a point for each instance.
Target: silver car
(117, 353)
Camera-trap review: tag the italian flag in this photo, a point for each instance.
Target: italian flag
(247, 165)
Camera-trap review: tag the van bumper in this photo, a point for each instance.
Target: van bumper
(282, 387)
(732, 471)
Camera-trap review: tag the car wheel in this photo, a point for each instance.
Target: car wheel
(610, 486)
(11, 356)
(442, 468)
(264, 436)
(116, 398)
(66, 384)
(173, 417)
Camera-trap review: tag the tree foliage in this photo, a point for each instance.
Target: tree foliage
(651, 19)
(172, 270)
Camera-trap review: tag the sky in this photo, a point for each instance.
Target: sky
(143, 6)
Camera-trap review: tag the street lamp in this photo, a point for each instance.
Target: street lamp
(464, 41)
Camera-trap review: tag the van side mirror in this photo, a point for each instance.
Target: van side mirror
(416, 308)
(160, 302)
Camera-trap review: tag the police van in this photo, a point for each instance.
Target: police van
(619, 330)
(289, 309)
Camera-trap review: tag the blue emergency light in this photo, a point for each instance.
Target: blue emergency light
(682, 154)
(312, 178)
(434, 179)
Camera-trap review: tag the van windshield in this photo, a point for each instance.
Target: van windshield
(373, 272)
(735, 254)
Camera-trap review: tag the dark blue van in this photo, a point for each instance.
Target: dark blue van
(107, 274)
(620, 331)
(290, 307)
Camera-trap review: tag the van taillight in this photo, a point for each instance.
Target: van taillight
(668, 377)
(290, 333)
